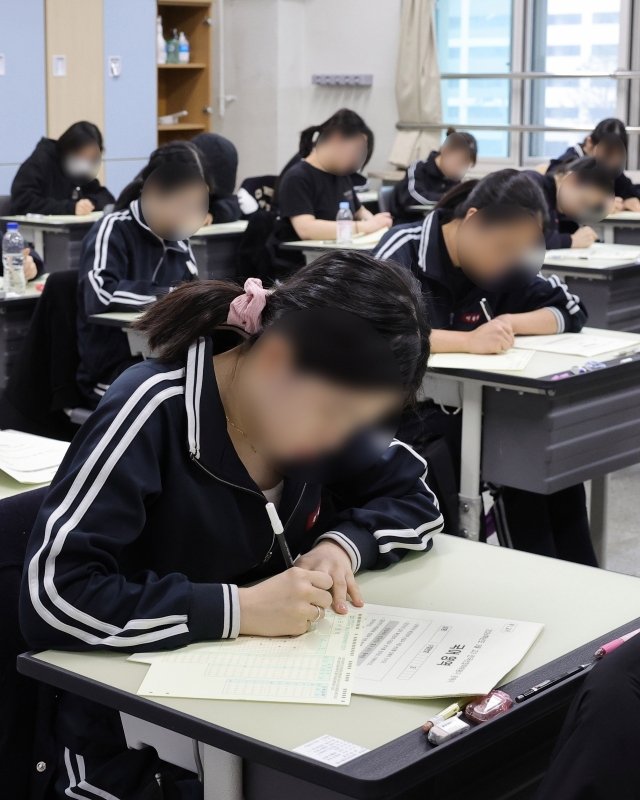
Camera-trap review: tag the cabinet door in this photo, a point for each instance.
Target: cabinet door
(23, 86)
(130, 98)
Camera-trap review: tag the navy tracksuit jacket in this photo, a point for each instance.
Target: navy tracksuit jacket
(423, 183)
(151, 524)
(623, 186)
(124, 266)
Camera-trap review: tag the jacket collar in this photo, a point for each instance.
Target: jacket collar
(182, 245)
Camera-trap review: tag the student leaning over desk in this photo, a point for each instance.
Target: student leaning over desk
(157, 515)
(556, 524)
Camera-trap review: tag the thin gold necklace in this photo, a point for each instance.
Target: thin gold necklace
(240, 431)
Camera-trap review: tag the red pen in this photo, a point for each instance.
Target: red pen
(611, 646)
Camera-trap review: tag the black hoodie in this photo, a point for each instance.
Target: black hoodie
(221, 163)
(41, 187)
(423, 183)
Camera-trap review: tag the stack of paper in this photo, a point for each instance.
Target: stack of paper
(596, 252)
(576, 344)
(30, 459)
(369, 238)
(509, 361)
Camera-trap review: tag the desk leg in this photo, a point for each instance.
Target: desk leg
(222, 775)
(598, 517)
(609, 234)
(470, 499)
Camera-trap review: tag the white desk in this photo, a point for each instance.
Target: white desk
(370, 196)
(622, 227)
(215, 248)
(312, 248)
(576, 603)
(526, 430)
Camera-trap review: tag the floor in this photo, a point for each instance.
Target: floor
(623, 548)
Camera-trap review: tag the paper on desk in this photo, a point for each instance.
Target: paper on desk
(63, 219)
(331, 750)
(408, 652)
(28, 458)
(575, 344)
(315, 668)
(598, 251)
(369, 238)
(509, 361)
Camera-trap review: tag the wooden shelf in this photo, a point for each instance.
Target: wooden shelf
(193, 65)
(195, 3)
(181, 126)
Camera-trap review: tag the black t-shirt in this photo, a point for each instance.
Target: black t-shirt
(307, 190)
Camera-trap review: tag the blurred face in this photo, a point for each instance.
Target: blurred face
(83, 165)
(301, 416)
(177, 213)
(340, 154)
(454, 162)
(583, 201)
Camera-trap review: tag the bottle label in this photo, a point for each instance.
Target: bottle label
(344, 230)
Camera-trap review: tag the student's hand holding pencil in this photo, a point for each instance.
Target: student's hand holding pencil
(492, 337)
(331, 558)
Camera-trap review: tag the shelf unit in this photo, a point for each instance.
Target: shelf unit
(186, 87)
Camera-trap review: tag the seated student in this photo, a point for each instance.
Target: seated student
(174, 469)
(33, 265)
(427, 180)
(221, 159)
(556, 524)
(627, 193)
(59, 177)
(590, 195)
(124, 266)
(311, 191)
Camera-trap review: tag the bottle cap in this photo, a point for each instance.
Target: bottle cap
(344, 204)
(12, 226)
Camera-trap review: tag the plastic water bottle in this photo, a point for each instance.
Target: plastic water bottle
(13, 260)
(183, 49)
(161, 45)
(173, 46)
(344, 223)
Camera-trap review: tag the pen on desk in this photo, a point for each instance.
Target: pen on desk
(276, 524)
(449, 711)
(486, 308)
(609, 647)
(541, 687)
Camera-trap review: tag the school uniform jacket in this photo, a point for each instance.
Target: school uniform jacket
(41, 187)
(553, 237)
(418, 248)
(152, 521)
(623, 186)
(124, 266)
(423, 183)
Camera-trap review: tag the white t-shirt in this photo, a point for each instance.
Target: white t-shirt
(274, 495)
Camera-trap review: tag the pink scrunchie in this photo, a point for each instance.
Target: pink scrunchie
(246, 311)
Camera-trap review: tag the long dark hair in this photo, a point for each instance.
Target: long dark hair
(77, 136)
(609, 125)
(346, 118)
(470, 140)
(504, 187)
(182, 152)
(384, 294)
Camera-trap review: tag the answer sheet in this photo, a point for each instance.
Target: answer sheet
(509, 361)
(317, 667)
(598, 251)
(411, 653)
(28, 458)
(576, 344)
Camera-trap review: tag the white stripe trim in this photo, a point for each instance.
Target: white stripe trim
(386, 548)
(193, 392)
(411, 533)
(63, 508)
(347, 545)
(424, 242)
(235, 612)
(423, 477)
(226, 607)
(100, 254)
(72, 778)
(401, 232)
(133, 295)
(400, 243)
(559, 318)
(411, 173)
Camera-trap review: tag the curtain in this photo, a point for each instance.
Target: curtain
(417, 82)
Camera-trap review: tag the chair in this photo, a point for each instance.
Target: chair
(384, 197)
(18, 694)
(262, 188)
(5, 205)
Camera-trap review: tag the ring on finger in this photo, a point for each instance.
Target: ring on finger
(313, 625)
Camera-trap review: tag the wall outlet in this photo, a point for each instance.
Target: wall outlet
(342, 80)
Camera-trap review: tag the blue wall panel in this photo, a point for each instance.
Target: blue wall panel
(119, 173)
(23, 113)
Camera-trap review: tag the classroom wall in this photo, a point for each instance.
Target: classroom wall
(272, 49)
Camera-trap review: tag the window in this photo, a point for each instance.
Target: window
(572, 36)
(475, 36)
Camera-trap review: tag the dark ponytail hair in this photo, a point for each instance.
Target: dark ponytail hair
(606, 126)
(470, 140)
(384, 294)
(504, 187)
(344, 118)
(179, 151)
(77, 136)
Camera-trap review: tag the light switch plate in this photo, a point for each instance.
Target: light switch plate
(3, 64)
(59, 66)
(115, 66)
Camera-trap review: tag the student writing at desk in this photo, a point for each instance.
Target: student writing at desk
(158, 514)
(556, 524)
(59, 177)
(311, 191)
(125, 266)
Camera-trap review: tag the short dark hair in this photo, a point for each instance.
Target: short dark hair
(470, 140)
(79, 135)
(383, 293)
(344, 118)
(608, 126)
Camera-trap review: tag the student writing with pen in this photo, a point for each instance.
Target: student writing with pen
(157, 519)
(462, 253)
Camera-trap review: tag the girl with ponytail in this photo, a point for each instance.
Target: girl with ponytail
(465, 254)
(174, 470)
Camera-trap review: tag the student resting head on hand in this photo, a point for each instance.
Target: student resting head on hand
(157, 517)
(59, 177)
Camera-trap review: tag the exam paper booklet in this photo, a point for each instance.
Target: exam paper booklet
(28, 458)
(317, 667)
(576, 344)
(411, 653)
(369, 238)
(61, 219)
(510, 361)
(598, 251)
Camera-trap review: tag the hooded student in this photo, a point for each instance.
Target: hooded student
(221, 160)
(626, 192)
(428, 179)
(156, 522)
(59, 177)
(125, 265)
(557, 524)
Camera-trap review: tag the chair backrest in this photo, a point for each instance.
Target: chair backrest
(5, 205)
(384, 196)
(261, 187)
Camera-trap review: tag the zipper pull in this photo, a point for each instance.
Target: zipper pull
(451, 316)
(158, 777)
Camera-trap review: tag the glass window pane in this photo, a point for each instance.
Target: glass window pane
(572, 36)
(475, 36)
